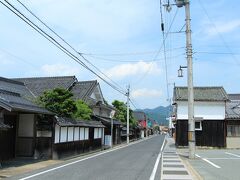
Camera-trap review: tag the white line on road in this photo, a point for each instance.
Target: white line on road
(204, 159)
(224, 158)
(152, 177)
(232, 154)
(74, 162)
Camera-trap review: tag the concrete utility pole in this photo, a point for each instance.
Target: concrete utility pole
(128, 94)
(191, 121)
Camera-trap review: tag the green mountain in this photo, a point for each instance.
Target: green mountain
(159, 114)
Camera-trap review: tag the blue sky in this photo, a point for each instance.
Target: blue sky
(122, 38)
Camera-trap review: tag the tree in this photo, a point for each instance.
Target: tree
(83, 111)
(59, 101)
(121, 113)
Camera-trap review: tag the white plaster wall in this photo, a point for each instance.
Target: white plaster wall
(206, 110)
(56, 138)
(63, 135)
(26, 125)
(95, 133)
(86, 133)
(76, 133)
(70, 134)
(81, 133)
(100, 132)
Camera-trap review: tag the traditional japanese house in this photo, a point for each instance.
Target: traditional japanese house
(209, 115)
(19, 120)
(88, 91)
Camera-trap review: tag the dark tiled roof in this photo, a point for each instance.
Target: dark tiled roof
(139, 115)
(14, 96)
(234, 97)
(201, 94)
(232, 110)
(37, 85)
(14, 87)
(83, 89)
(14, 102)
(78, 123)
(106, 120)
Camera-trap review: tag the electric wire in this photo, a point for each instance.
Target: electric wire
(156, 55)
(117, 60)
(14, 10)
(81, 54)
(218, 32)
(164, 48)
(127, 53)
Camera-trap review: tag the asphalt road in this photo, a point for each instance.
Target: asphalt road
(217, 164)
(136, 161)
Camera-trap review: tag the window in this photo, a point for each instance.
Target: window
(198, 125)
(233, 130)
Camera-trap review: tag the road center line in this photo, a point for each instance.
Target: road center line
(74, 162)
(204, 159)
(232, 154)
(152, 177)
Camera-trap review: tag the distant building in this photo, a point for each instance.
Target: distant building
(142, 122)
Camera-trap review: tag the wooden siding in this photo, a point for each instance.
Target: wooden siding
(7, 139)
(213, 133)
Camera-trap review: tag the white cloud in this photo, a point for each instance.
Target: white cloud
(106, 19)
(131, 69)
(148, 93)
(221, 27)
(59, 70)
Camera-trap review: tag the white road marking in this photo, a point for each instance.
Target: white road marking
(204, 159)
(74, 162)
(224, 158)
(197, 155)
(232, 154)
(152, 177)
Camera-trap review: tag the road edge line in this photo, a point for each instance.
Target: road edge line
(153, 174)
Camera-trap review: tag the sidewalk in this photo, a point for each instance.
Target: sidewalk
(15, 170)
(174, 166)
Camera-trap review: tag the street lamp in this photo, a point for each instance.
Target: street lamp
(180, 71)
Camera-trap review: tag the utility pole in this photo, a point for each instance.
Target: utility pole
(128, 94)
(191, 123)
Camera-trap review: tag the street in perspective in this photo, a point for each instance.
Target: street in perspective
(119, 90)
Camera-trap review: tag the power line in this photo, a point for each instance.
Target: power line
(164, 48)
(155, 57)
(79, 53)
(206, 52)
(14, 10)
(18, 58)
(127, 53)
(219, 34)
(117, 60)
